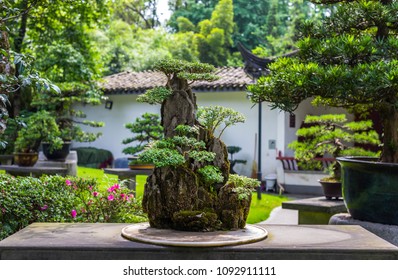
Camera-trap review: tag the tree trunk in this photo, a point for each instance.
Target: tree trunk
(390, 137)
(180, 108)
(5, 68)
(15, 98)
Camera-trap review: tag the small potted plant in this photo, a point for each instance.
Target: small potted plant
(40, 126)
(332, 135)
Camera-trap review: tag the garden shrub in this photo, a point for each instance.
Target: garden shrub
(24, 200)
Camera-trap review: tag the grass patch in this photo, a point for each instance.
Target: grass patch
(259, 209)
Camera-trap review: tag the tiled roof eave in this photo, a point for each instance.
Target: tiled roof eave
(195, 89)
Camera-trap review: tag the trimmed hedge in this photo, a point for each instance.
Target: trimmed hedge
(24, 200)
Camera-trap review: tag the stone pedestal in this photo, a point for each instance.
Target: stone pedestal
(317, 210)
(387, 232)
(70, 163)
(61, 241)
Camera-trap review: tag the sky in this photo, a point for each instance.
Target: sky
(163, 9)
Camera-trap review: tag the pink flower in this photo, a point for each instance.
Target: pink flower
(113, 188)
(83, 210)
(73, 213)
(123, 196)
(111, 197)
(95, 194)
(68, 182)
(90, 188)
(43, 208)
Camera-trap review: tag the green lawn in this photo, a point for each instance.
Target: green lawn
(259, 210)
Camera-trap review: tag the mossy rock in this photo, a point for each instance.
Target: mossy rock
(196, 221)
(233, 207)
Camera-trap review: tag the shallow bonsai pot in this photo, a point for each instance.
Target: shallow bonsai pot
(26, 159)
(331, 189)
(370, 189)
(58, 155)
(141, 166)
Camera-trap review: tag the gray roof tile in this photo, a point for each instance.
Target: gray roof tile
(231, 79)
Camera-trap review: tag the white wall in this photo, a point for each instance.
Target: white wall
(125, 109)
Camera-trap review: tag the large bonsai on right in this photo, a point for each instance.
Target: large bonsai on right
(350, 60)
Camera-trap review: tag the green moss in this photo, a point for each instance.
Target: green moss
(196, 220)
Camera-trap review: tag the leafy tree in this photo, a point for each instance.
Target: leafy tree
(140, 13)
(16, 73)
(64, 54)
(147, 128)
(333, 135)
(193, 10)
(349, 60)
(213, 38)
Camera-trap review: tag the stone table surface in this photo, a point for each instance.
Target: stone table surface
(316, 204)
(104, 242)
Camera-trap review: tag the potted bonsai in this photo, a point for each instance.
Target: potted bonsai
(332, 135)
(146, 129)
(69, 119)
(349, 60)
(40, 126)
(191, 177)
(233, 150)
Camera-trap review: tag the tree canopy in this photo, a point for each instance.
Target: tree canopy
(348, 60)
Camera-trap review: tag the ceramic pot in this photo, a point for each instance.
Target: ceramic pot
(331, 189)
(26, 159)
(370, 189)
(58, 155)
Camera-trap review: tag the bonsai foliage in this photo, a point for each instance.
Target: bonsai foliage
(147, 128)
(349, 60)
(332, 135)
(191, 188)
(40, 126)
(233, 150)
(213, 117)
(181, 150)
(70, 120)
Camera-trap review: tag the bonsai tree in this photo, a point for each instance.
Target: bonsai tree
(146, 128)
(191, 188)
(349, 60)
(332, 135)
(40, 126)
(69, 120)
(233, 150)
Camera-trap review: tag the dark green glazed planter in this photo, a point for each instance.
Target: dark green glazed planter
(370, 189)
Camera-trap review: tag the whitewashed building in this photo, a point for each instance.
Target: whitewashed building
(277, 128)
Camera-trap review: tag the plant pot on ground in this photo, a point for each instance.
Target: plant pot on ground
(40, 126)
(332, 135)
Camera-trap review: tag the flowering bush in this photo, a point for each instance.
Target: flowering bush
(24, 200)
(115, 205)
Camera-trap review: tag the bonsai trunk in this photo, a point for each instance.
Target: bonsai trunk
(180, 108)
(390, 137)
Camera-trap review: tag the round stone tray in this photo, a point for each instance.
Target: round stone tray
(142, 232)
